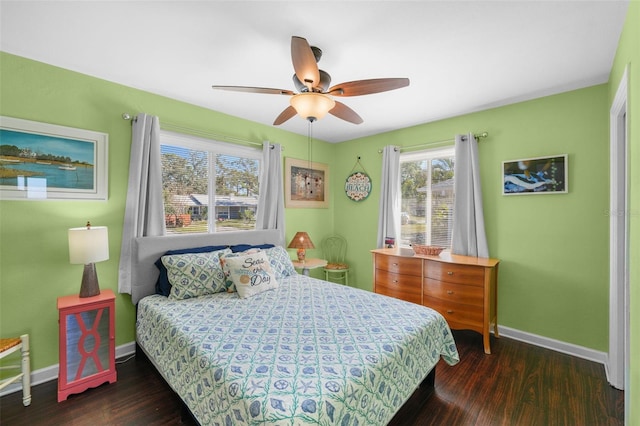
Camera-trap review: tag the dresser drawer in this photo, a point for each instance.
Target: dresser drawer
(457, 293)
(399, 265)
(458, 316)
(400, 286)
(452, 273)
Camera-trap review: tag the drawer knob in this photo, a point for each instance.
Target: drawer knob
(449, 272)
(395, 281)
(449, 292)
(394, 264)
(449, 311)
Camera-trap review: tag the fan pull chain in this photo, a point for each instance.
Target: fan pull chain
(309, 146)
(310, 153)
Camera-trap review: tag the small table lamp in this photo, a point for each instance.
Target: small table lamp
(301, 241)
(86, 246)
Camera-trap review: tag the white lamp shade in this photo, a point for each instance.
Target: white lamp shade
(88, 245)
(312, 105)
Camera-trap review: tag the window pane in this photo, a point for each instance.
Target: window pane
(427, 198)
(442, 201)
(189, 193)
(236, 192)
(185, 182)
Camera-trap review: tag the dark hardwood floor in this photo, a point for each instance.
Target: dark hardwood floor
(518, 384)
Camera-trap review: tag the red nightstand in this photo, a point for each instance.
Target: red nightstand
(87, 342)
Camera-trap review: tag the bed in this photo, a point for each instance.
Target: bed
(303, 352)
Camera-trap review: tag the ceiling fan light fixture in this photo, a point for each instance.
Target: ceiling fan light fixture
(312, 105)
(315, 96)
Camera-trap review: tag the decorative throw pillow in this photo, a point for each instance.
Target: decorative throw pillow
(194, 274)
(280, 262)
(231, 288)
(251, 273)
(163, 286)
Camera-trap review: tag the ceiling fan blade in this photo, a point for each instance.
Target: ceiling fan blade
(285, 115)
(366, 87)
(264, 90)
(304, 62)
(345, 113)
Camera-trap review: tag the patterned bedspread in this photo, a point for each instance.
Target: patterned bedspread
(308, 352)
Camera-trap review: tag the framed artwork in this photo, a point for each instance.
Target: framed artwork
(540, 175)
(40, 161)
(306, 185)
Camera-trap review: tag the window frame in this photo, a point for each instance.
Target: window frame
(212, 147)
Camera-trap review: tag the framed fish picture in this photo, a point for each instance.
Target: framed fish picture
(539, 175)
(40, 161)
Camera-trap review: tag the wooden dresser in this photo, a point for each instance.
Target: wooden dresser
(463, 289)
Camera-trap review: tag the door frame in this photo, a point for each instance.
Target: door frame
(618, 360)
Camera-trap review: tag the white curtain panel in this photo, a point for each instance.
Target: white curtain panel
(144, 210)
(389, 220)
(469, 237)
(270, 214)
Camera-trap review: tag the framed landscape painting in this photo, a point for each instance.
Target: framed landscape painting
(540, 175)
(40, 161)
(306, 184)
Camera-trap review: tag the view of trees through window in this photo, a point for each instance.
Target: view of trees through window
(186, 178)
(426, 184)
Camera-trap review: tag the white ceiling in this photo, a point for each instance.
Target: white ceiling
(460, 56)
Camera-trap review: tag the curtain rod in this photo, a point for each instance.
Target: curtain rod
(178, 128)
(412, 147)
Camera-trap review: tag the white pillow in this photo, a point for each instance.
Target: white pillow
(251, 273)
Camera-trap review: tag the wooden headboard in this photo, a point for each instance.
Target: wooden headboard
(149, 249)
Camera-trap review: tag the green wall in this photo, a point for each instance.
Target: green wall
(34, 260)
(553, 248)
(628, 56)
(553, 277)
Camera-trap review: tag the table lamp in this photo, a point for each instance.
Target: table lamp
(301, 241)
(88, 245)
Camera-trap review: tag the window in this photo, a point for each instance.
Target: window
(208, 186)
(426, 186)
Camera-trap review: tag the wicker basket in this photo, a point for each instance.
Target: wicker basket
(427, 250)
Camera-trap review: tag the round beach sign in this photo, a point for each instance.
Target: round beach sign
(358, 186)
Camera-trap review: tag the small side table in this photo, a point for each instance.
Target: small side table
(307, 264)
(87, 342)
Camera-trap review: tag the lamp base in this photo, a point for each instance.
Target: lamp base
(301, 254)
(89, 286)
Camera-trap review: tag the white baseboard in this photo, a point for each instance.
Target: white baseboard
(555, 345)
(50, 373)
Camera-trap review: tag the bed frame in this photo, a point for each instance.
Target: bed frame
(145, 274)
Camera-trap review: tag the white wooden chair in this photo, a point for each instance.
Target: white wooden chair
(8, 347)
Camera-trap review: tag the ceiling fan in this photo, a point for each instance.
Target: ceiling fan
(315, 98)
